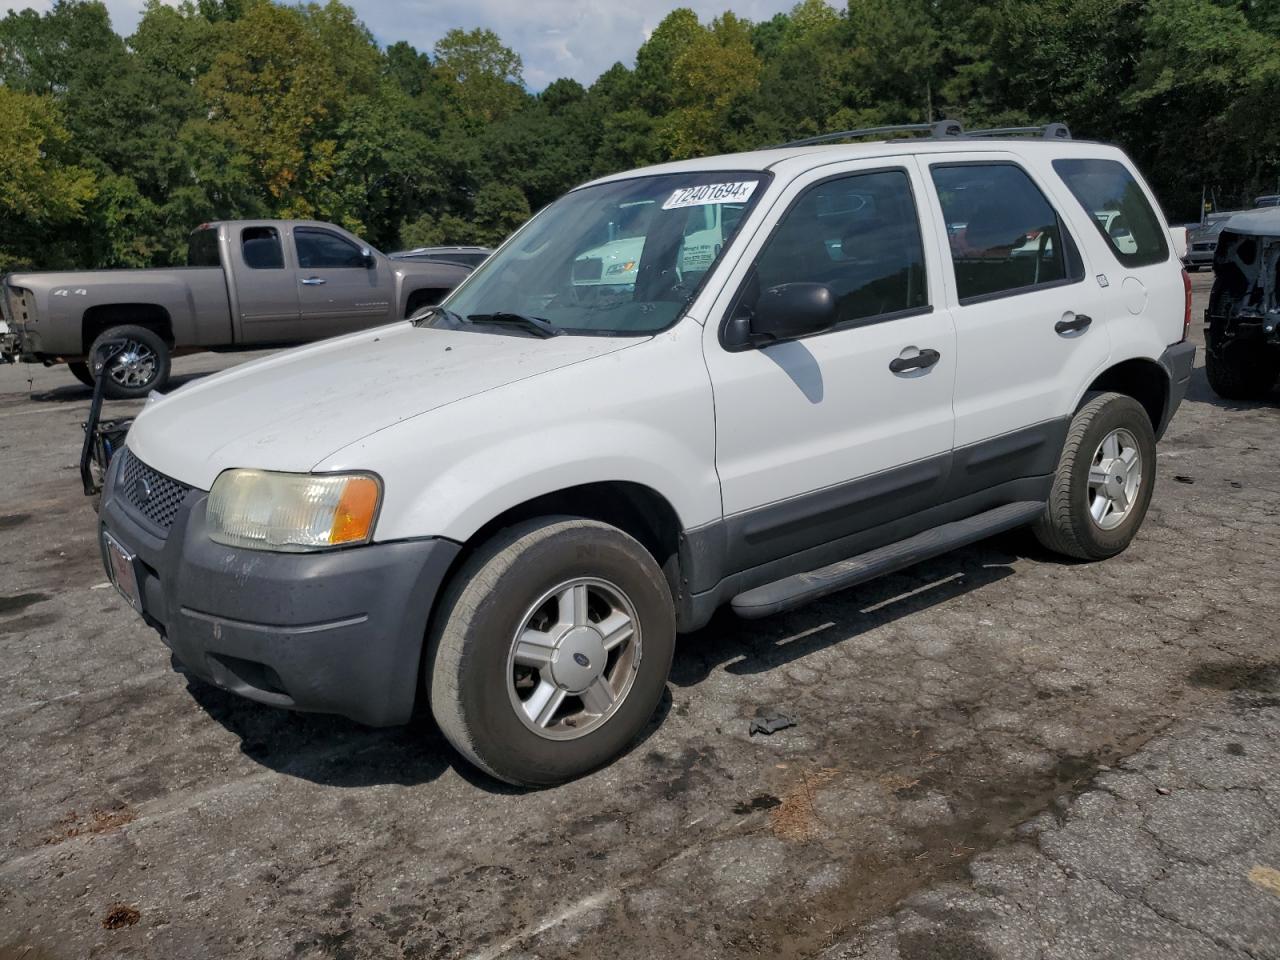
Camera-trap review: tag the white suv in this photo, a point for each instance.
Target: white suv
(515, 501)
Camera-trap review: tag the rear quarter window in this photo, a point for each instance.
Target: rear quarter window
(202, 248)
(1118, 208)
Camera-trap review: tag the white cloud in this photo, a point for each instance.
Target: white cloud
(555, 38)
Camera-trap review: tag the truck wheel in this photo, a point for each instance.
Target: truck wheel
(80, 370)
(1240, 374)
(1105, 476)
(551, 649)
(143, 365)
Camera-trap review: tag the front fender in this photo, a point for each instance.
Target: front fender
(471, 491)
(642, 415)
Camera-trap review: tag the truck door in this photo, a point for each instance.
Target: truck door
(340, 287)
(266, 287)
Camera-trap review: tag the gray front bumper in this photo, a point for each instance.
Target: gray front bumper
(334, 632)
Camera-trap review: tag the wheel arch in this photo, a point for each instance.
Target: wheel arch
(100, 317)
(635, 508)
(1141, 378)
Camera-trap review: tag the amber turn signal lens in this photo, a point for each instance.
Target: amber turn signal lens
(353, 518)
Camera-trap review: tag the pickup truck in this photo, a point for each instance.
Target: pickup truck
(247, 284)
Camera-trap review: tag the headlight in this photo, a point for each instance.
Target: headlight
(292, 511)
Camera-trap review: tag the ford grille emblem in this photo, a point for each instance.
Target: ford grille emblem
(142, 489)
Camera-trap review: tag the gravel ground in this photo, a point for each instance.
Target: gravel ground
(997, 754)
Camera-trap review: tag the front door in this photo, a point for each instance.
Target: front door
(850, 429)
(340, 289)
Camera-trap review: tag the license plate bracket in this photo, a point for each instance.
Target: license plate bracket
(122, 566)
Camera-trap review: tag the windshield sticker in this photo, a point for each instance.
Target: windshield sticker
(706, 193)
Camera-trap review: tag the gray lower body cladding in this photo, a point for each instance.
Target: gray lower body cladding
(338, 631)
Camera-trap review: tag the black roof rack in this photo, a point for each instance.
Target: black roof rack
(1050, 131)
(938, 130)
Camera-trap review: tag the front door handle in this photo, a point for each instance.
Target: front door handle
(921, 361)
(1077, 323)
(312, 281)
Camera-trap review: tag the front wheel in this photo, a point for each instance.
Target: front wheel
(141, 361)
(1104, 480)
(551, 650)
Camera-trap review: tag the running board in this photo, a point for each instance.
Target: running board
(802, 587)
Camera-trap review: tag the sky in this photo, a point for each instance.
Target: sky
(555, 38)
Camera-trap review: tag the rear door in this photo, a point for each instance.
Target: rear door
(340, 288)
(830, 435)
(266, 286)
(1029, 319)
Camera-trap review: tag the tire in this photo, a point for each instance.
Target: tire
(475, 679)
(1068, 525)
(136, 380)
(80, 370)
(1240, 373)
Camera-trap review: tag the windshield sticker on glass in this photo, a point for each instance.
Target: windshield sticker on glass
(706, 193)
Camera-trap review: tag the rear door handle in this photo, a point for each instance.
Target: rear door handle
(921, 361)
(312, 281)
(1078, 322)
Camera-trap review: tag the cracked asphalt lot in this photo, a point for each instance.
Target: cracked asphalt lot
(997, 754)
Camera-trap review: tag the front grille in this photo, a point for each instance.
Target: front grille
(149, 492)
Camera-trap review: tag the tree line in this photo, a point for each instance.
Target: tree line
(112, 149)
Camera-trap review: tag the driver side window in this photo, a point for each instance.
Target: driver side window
(859, 235)
(320, 248)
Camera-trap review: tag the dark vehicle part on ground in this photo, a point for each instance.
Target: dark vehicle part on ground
(1242, 322)
(247, 284)
(102, 438)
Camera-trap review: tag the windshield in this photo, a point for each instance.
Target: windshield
(618, 258)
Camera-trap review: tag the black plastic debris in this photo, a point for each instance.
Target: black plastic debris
(768, 720)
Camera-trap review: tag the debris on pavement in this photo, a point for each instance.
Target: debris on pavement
(770, 720)
(120, 915)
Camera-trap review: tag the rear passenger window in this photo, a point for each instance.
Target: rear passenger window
(1004, 235)
(261, 248)
(1119, 209)
(860, 236)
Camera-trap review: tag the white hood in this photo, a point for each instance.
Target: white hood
(292, 410)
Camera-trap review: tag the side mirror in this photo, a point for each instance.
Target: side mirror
(370, 261)
(792, 310)
(1179, 235)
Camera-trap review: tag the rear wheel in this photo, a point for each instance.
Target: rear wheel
(1104, 480)
(142, 361)
(551, 650)
(80, 370)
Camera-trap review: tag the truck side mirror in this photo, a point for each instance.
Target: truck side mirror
(366, 255)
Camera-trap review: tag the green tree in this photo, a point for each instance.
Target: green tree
(39, 191)
(488, 76)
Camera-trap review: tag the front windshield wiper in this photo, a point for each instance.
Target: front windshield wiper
(430, 313)
(539, 325)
